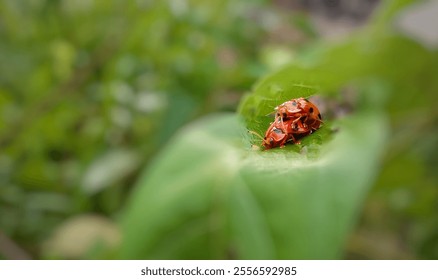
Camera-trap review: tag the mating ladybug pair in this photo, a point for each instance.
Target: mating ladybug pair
(294, 119)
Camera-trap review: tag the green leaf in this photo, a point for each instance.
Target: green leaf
(209, 196)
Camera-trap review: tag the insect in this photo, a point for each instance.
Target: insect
(294, 119)
(300, 108)
(280, 132)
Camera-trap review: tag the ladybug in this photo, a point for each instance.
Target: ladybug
(294, 119)
(276, 135)
(300, 108)
(280, 132)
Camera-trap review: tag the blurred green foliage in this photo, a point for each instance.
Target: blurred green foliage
(92, 91)
(301, 201)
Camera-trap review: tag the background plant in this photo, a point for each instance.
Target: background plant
(90, 91)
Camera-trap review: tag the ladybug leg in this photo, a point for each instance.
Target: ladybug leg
(304, 120)
(294, 127)
(316, 124)
(283, 127)
(283, 142)
(294, 122)
(294, 140)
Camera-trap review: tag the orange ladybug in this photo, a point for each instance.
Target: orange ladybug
(276, 135)
(294, 119)
(280, 132)
(300, 108)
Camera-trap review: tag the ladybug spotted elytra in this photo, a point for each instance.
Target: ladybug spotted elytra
(294, 119)
(300, 108)
(276, 135)
(280, 132)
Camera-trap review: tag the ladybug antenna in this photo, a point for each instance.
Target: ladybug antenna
(256, 134)
(270, 113)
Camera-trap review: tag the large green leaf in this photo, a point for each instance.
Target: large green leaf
(208, 195)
